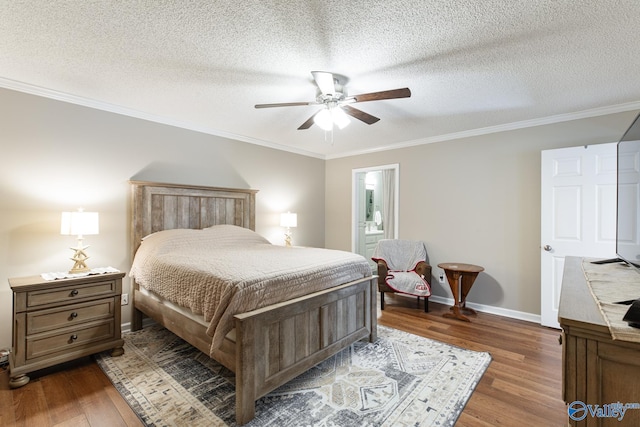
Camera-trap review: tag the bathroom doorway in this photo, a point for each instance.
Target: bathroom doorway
(375, 192)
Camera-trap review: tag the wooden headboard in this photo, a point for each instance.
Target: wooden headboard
(157, 207)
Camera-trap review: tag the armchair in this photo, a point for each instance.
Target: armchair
(403, 268)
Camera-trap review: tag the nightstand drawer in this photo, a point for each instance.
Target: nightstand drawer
(70, 293)
(69, 339)
(70, 315)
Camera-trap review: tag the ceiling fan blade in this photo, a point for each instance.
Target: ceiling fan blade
(308, 123)
(285, 104)
(359, 114)
(385, 94)
(325, 82)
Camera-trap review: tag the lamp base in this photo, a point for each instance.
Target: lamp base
(79, 269)
(79, 257)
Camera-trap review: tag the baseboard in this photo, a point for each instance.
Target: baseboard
(147, 321)
(505, 312)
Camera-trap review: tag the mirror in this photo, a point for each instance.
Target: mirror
(369, 205)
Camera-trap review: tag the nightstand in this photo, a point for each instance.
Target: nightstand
(55, 321)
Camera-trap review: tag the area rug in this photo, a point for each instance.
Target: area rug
(400, 380)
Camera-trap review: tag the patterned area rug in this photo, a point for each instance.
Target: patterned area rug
(400, 380)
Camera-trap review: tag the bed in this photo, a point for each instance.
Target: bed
(267, 346)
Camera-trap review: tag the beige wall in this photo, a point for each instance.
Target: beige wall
(57, 156)
(474, 200)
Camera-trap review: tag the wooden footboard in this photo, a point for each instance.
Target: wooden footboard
(275, 344)
(278, 343)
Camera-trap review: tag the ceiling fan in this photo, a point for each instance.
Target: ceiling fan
(332, 96)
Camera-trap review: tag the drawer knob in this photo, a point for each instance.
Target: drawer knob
(73, 315)
(74, 292)
(73, 337)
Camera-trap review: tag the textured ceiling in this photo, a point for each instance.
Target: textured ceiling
(472, 66)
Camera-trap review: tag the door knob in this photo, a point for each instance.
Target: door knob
(547, 248)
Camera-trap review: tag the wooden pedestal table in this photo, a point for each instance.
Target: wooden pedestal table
(461, 278)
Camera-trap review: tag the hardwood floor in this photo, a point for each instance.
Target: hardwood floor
(73, 394)
(521, 387)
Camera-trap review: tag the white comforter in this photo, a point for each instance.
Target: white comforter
(226, 270)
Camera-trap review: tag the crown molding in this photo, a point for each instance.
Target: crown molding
(104, 106)
(117, 109)
(595, 112)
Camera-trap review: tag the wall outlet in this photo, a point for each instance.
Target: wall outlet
(441, 277)
(124, 299)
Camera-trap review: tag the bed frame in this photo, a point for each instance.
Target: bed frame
(269, 346)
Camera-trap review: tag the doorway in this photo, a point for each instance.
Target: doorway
(375, 192)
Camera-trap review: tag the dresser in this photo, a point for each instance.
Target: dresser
(55, 321)
(596, 369)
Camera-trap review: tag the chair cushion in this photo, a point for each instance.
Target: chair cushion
(408, 282)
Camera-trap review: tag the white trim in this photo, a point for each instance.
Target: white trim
(147, 321)
(559, 118)
(354, 207)
(99, 105)
(125, 327)
(130, 112)
(504, 312)
(498, 311)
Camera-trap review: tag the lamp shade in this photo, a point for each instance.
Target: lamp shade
(79, 223)
(288, 219)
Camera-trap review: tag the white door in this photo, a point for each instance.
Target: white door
(578, 214)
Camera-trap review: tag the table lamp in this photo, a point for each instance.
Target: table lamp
(288, 220)
(79, 224)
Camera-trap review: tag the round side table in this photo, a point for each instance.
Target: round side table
(461, 278)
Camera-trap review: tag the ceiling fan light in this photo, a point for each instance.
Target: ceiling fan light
(324, 119)
(340, 118)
